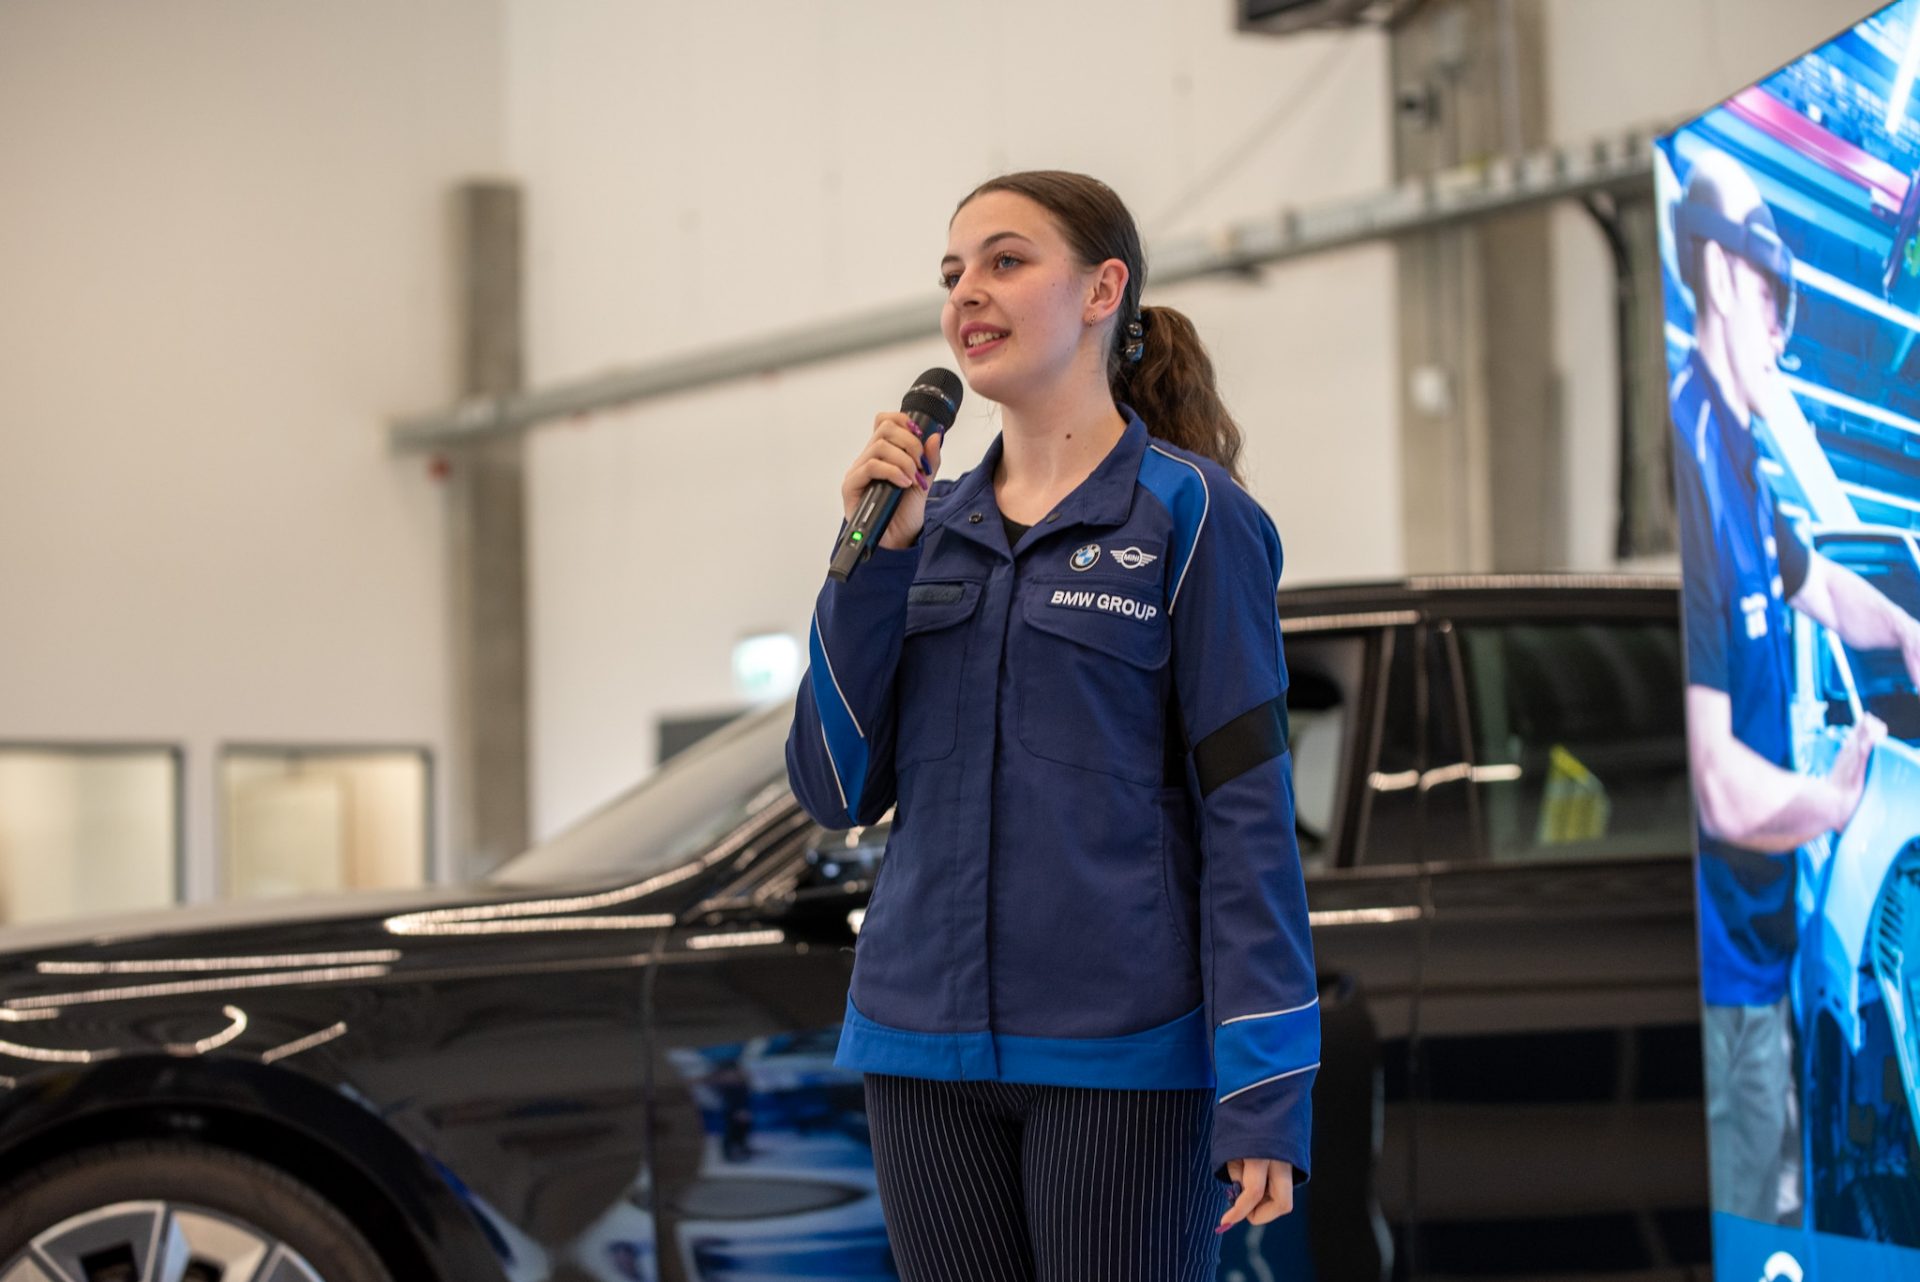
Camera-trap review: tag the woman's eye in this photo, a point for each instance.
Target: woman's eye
(949, 279)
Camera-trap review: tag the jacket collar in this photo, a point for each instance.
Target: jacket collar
(1105, 498)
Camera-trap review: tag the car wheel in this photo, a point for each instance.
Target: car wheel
(172, 1211)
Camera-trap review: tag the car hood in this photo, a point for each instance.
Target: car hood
(193, 919)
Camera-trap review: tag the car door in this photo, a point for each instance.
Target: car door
(1561, 1124)
(1354, 707)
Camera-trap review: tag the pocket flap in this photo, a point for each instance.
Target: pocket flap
(940, 605)
(1130, 626)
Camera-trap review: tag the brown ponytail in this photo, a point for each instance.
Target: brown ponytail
(1171, 385)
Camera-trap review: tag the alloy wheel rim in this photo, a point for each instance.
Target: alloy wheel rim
(156, 1241)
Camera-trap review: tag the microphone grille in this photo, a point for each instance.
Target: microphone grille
(936, 394)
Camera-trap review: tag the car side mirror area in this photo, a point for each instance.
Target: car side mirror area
(846, 861)
(835, 879)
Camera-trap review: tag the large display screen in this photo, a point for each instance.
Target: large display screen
(1792, 267)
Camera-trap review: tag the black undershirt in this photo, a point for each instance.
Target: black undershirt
(1014, 529)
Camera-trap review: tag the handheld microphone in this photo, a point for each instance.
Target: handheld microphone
(932, 402)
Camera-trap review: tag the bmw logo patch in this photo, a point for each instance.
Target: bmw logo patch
(1083, 558)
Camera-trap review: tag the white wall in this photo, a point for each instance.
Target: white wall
(689, 185)
(225, 241)
(1619, 65)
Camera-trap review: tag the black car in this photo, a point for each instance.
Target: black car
(613, 1058)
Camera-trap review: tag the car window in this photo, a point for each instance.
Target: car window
(1392, 821)
(1578, 737)
(1324, 674)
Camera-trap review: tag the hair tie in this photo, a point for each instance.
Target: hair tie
(1136, 344)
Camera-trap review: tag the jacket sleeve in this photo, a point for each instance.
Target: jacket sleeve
(1256, 955)
(840, 749)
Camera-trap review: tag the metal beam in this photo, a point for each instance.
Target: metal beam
(1616, 163)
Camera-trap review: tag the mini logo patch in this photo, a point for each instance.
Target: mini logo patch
(1133, 558)
(1083, 558)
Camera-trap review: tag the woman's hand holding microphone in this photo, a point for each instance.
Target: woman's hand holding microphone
(898, 454)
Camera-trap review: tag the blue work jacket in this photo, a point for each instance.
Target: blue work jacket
(1092, 877)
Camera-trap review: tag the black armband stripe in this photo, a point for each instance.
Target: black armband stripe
(1256, 735)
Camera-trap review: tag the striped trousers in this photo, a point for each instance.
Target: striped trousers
(989, 1181)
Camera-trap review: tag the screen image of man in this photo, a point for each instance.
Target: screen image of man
(1746, 567)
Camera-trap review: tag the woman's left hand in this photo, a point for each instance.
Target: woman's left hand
(1266, 1191)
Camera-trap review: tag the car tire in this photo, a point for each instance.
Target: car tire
(222, 1208)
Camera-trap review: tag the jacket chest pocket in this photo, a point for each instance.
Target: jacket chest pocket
(932, 656)
(1091, 673)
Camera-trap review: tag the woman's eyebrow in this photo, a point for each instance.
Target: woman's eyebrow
(999, 235)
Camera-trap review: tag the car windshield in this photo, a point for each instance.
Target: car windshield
(673, 814)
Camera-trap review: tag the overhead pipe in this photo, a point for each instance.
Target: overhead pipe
(1610, 164)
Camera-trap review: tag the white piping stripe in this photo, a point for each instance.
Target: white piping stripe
(834, 767)
(836, 680)
(1673, 388)
(1268, 1014)
(1206, 502)
(1292, 1072)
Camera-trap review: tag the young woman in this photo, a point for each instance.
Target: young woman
(1083, 993)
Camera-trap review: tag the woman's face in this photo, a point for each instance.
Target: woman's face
(1017, 301)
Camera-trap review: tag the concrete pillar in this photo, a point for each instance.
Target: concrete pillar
(489, 780)
(1480, 426)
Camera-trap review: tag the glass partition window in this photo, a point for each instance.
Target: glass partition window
(306, 821)
(1579, 738)
(1323, 696)
(85, 831)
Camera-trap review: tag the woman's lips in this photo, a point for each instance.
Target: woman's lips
(985, 347)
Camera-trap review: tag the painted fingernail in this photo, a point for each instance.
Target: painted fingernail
(916, 429)
(921, 481)
(1222, 1229)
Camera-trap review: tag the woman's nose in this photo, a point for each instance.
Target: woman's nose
(966, 290)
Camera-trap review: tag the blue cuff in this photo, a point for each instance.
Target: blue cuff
(1250, 1050)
